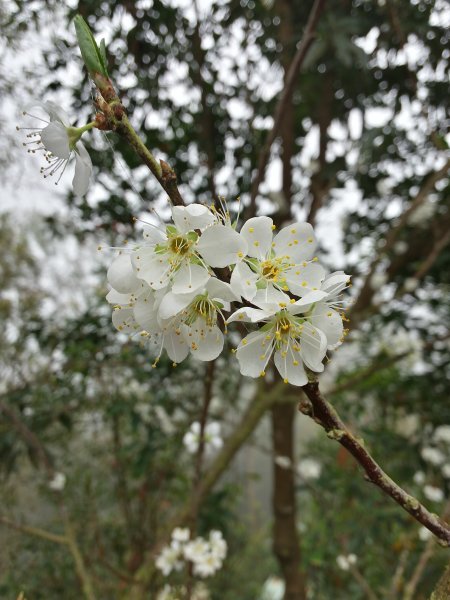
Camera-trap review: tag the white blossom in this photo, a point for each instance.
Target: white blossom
(273, 589)
(292, 339)
(169, 560)
(58, 142)
(181, 534)
(309, 468)
(278, 261)
(424, 534)
(410, 284)
(57, 482)
(433, 493)
(284, 462)
(432, 455)
(211, 436)
(345, 562)
(442, 434)
(378, 280)
(419, 477)
(445, 469)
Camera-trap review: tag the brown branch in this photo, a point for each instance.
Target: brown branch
(397, 580)
(29, 437)
(363, 583)
(365, 295)
(410, 588)
(442, 590)
(34, 531)
(317, 407)
(438, 247)
(285, 98)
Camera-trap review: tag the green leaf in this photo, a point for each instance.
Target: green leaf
(90, 52)
(103, 55)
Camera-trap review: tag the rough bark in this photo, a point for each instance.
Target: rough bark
(442, 590)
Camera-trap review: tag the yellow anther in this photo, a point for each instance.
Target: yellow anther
(262, 357)
(244, 342)
(274, 227)
(310, 240)
(256, 243)
(251, 229)
(285, 381)
(99, 247)
(304, 284)
(262, 374)
(292, 300)
(295, 363)
(282, 304)
(329, 314)
(240, 254)
(293, 231)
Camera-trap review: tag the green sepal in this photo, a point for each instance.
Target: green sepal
(171, 230)
(192, 236)
(92, 56)
(261, 284)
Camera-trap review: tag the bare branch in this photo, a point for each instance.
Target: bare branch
(317, 407)
(34, 531)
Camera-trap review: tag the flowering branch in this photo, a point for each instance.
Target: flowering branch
(285, 97)
(323, 413)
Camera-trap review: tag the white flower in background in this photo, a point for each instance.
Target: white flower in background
(218, 544)
(432, 455)
(181, 534)
(170, 559)
(422, 214)
(273, 589)
(284, 462)
(433, 493)
(345, 562)
(378, 280)
(309, 468)
(442, 434)
(424, 534)
(446, 471)
(419, 478)
(400, 247)
(57, 482)
(410, 284)
(272, 261)
(292, 339)
(58, 142)
(195, 550)
(211, 436)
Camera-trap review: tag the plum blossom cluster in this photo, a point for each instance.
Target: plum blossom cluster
(177, 288)
(206, 556)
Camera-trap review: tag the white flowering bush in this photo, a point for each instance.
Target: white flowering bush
(205, 556)
(168, 291)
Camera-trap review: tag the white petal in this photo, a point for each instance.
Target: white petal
(253, 353)
(83, 170)
(297, 241)
(145, 313)
(258, 233)
(313, 347)
(290, 367)
(151, 267)
(153, 235)
(121, 275)
(114, 297)
(221, 246)
(189, 278)
(302, 280)
(243, 281)
(271, 299)
(172, 304)
(194, 216)
(220, 290)
(335, 283)
(329, 321)
(206, 342)
(305, 303)
(175, 346)
(56, 113)
(247, 315)
(55, 139)
(123, 320)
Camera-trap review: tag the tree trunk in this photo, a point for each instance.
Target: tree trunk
(286, 544)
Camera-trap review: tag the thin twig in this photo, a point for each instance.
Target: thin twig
(34, 531)
(363, 583)
(317, 407)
